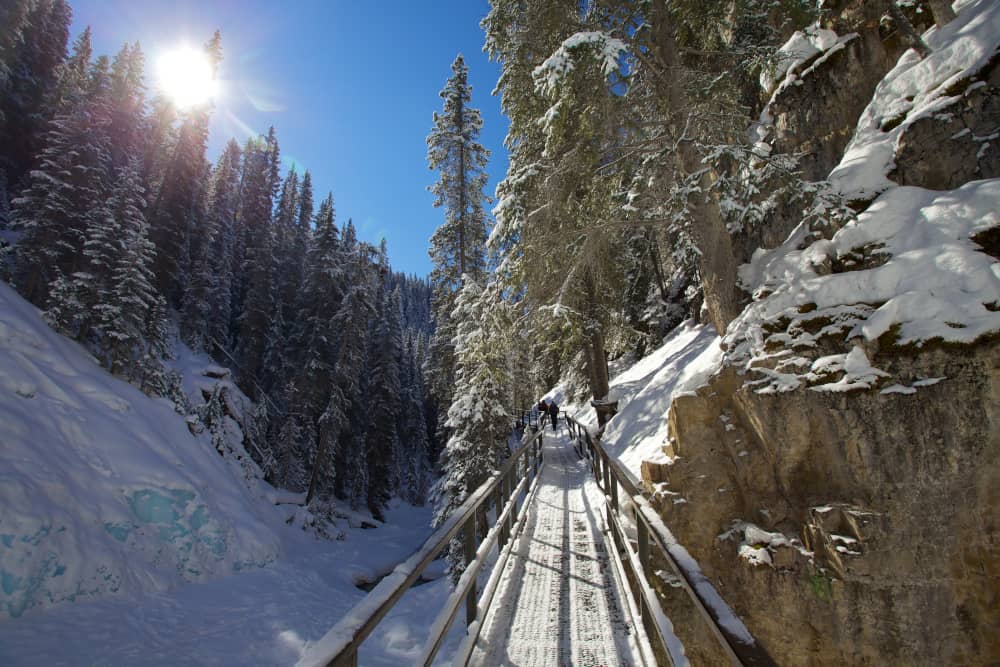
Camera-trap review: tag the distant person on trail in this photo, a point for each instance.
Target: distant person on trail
(553, 414)
(543, 410)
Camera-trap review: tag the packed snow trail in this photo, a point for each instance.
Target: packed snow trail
(557, 602)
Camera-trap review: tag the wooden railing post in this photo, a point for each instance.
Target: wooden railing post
(642, 538)
(346, 660)
(501, 533)
(613, 480)
(470, 555)
(607, 474)
(513, 501)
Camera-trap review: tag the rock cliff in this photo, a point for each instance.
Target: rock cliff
(841, 473)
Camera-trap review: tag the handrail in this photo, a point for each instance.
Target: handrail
(339, 646)
(733, 637)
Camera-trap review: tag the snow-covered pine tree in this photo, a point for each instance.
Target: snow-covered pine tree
(300, 239)
(64, 191)
(13, 16)
(221, 220)
(260, 161)
(127, 105)
(172, 212)
(458, 245)
(75, 72)
(353, 326)
(384, 402)
(340, 466)
(413, 459)
(134, 320)
(313, 346)
(159, 131)
(293, 444)
(478, 419)
(287, 278)
(196, 311)
(34, 51)
(313, 352)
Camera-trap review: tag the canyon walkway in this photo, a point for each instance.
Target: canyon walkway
(559, 545)
(558, 600)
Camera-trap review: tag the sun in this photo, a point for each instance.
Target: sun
(186, 76)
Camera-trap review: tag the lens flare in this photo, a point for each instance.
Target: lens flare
(186, 76)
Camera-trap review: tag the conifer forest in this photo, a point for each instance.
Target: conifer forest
(699, 365)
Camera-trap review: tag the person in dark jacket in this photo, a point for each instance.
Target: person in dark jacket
(553, 414)
(543, 412)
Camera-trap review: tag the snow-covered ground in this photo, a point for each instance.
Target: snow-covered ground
(126, 540)
(645, 390)
(263, 616)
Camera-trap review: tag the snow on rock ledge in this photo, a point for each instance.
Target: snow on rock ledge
(914, 89)
(907, 267)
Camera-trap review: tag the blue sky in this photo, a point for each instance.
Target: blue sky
(349, 86)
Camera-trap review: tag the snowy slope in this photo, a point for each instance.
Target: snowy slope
(102, 489)
(136, 543)
(264, 616)
(645, 390)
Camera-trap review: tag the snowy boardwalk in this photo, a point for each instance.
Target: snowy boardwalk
(558, 602)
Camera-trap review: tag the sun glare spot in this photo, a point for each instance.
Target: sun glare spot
(186, 76)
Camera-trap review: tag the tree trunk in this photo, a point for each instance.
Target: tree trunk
(324, 440)
(654, 258)
(943, 13)
(906, 29)
(594, 350)
(599, 380)
(718, 264)
(461, 193)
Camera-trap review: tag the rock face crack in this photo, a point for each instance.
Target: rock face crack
(558, 603)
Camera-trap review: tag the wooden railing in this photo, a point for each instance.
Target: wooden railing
(734, 639)
(517, 476)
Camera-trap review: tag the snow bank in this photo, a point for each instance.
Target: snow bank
(264, 616)
(104, 490)
(916, 88)
(645, 390)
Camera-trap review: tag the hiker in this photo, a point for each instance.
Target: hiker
(543, 410)
(553, 414)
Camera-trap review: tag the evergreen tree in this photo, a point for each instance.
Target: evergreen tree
(134, 321)
(458, 245)
(221, 224)
(174, 210)
(341, 464)
(33, 54)
(287, 279)
(352, 324)
(127, 105)
(413, 459)
(478, 421)
(384, 405)
(257, 306)
(313, 345)
(202, 281)
(75, 72)
(65, 191)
